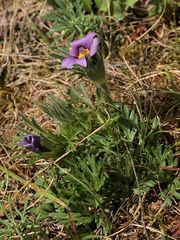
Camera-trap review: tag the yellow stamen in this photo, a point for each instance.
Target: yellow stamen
(83, 53)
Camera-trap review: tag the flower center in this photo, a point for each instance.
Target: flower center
(83, 53)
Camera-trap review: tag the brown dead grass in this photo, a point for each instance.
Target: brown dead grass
(136, 70)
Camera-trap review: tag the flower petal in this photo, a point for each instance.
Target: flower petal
(83, 42)
(36, 141)
(94, 46)
(75, 45)
(74, 51)
(68, 62)
(82, 62)
(89, 39)
(24, 143)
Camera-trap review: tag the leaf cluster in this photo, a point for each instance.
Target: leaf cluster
(71, 19)
(102, 141)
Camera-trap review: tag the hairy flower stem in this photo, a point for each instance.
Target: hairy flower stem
(105, 90)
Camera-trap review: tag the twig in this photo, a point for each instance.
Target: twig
(169, 168)
(152, 230)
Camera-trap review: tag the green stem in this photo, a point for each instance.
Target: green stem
(105, 90)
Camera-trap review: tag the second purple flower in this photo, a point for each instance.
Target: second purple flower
(33, 143)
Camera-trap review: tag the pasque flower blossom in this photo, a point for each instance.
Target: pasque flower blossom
(33, 143)
(87, 53)
(80, 49)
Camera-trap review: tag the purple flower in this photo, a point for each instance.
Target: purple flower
(33, 143)
(80, 49)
